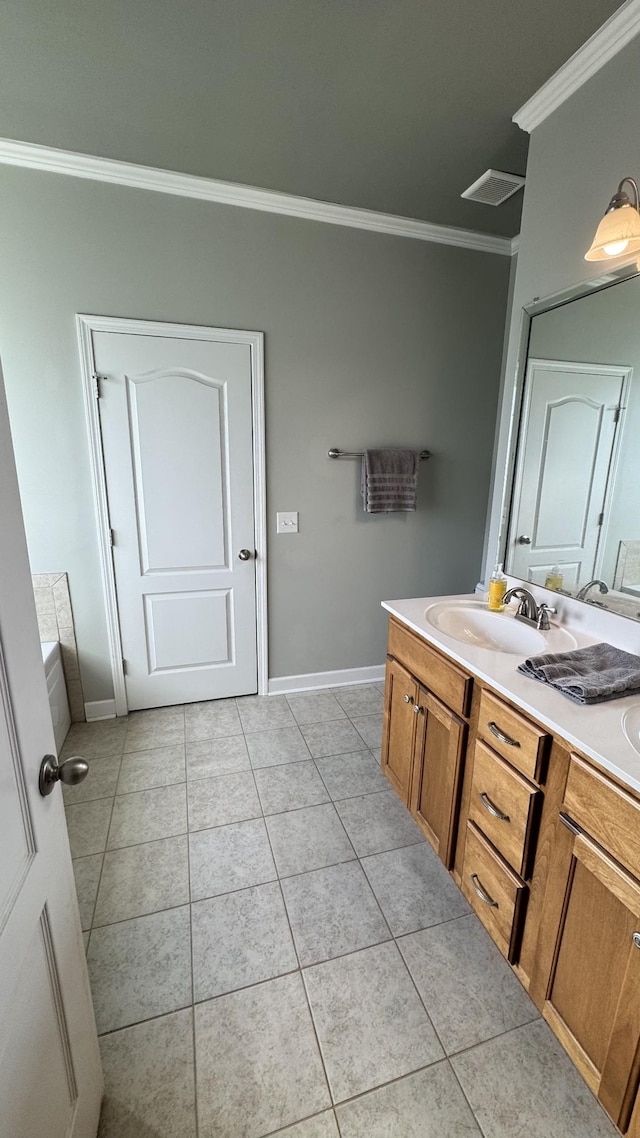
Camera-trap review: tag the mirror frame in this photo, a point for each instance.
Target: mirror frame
(537, 306)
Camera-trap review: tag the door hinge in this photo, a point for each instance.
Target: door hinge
(600, 519)
(616, 417)
(96, 384)
(125, 670)
(112, 538)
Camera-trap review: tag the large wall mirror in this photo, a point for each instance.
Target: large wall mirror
(574, 517)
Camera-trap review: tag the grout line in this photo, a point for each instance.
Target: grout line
(308, 1118)
(193, 993)
(138, 1022)
(300, 973)
(104, 853)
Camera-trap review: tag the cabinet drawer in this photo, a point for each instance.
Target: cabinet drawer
(503, 805)
(446, 680)
(493, 890)
(605, 811)
(515, 738)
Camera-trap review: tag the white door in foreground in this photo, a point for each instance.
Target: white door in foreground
(564, 469)
(50, 1077)
(177, 432)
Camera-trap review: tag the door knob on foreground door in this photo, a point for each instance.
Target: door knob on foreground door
(524, 540)
(245, 555)
(71, 772)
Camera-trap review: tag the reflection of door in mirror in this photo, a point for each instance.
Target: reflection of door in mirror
(565, 469)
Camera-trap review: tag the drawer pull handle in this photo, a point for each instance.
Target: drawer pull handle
(495, 730)
(417, 710)
(492, 809)
(475, 881)
(636, 939)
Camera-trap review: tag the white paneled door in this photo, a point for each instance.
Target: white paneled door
(570, 423)
(50, 1078)
(176, 418)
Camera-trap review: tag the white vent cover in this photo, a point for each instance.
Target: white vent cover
(493, 188)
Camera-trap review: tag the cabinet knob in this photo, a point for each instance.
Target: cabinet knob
(636, 939)
(417, 710)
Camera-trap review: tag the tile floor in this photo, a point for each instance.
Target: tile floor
(273, 948)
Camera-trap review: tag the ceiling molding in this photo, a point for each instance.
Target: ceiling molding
(615, 34)
(31, 156)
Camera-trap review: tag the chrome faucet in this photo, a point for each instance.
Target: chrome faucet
(582, 594)
(528, 610)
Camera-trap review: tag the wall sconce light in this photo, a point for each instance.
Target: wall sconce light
(619, 230)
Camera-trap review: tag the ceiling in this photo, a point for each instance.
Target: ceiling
(391, 105)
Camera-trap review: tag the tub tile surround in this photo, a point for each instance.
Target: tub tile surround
(291, 973)
(597, 730)
(55, 622)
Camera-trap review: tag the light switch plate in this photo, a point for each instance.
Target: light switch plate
(287, 521)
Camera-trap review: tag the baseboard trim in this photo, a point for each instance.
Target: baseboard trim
(100, 709)
(344, 677)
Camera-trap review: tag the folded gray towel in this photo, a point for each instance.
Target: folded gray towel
(587, 675)
(389, 480)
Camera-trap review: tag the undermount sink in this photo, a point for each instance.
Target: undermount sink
(631, 726)
(470, 622)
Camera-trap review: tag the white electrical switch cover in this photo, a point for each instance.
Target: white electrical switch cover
(287, 521)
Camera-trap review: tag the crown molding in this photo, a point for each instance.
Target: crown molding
(615, 34)
(28, 155)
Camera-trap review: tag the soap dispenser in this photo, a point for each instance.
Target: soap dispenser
(497, 589)
(554, 579)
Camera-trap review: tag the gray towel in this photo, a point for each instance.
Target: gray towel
(389, 480)
(587, 675)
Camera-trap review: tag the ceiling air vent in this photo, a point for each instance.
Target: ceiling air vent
(494, 187)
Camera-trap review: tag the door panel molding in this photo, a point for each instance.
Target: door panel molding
(621, 373)
(86, 326)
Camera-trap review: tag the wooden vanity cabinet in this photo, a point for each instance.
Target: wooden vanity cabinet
(399, 728)
(424, 735)
(544, 845)
(437, 774)
(587, 975)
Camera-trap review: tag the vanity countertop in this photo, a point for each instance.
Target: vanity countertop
(595, 731)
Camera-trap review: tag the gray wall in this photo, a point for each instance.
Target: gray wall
(576, 158)
(370, 340)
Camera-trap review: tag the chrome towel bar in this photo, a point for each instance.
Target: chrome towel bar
(336, 453)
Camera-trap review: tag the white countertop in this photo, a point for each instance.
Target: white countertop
(595, 731)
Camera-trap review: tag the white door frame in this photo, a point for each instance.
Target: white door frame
(86, 326)
(625, 373)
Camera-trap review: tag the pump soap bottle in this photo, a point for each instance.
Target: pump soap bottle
(497, 589)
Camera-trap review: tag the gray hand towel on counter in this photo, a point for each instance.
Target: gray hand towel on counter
(389, 480)
(587, 675)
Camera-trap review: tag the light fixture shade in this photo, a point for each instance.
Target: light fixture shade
(617, 233)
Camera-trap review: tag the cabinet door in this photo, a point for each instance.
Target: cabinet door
(593, 993)
(437, 770)
(399, 728)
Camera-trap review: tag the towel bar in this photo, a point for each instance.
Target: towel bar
(336, 453)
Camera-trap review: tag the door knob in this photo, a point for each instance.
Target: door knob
(245, 555)
(524, 540)
(70, 772)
